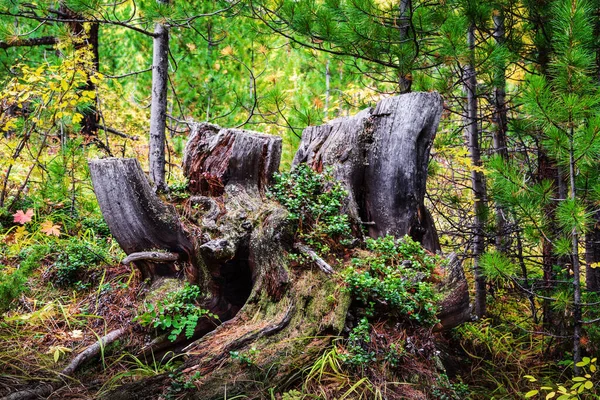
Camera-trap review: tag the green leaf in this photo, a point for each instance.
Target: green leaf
(550, 395)
(531, 393)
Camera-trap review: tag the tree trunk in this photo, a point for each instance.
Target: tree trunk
(158, 107)
(500, 128)
(283, 311)
(381, 155)
(470, 83)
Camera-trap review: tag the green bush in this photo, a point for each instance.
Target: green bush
(393, 279)
(314, 202)
(13, 281)
(77, 257)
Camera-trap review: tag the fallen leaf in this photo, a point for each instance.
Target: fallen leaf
(23, 217)
(49, 228)
(76, 334)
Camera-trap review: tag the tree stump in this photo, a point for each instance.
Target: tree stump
(381, 155)
(238, 241)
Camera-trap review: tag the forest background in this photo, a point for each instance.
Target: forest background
(513, 178)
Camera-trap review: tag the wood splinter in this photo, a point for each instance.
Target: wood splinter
(153, 256)
(318, 260)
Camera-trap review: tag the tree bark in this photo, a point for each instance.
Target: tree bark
(158, 107)
(137, 218)
(381, 156)
(478, 185)
(500, 127)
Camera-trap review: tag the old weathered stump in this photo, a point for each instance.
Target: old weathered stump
(381, 155)
(216, 157)
(238, 242)
(137, 218)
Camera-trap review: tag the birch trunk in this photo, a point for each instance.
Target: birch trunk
(158, 107)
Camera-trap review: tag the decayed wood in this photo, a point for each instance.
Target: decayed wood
(455, 307)
(242, 239)
(153, 256)
(216, 157)
(381, 156)
(322, 264)
(137, 218)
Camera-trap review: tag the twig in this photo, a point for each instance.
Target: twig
(315, 257)
(116, 132)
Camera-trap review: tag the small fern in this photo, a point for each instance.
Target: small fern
(176, 313)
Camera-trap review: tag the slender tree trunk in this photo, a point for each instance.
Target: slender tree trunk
(470, 83)
(327, 87)
(89, 125)
(500, 127)
(158, 109)
(577, 314)
(592, 237)
(405, 11)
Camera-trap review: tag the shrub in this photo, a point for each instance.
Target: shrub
(176, 313)
(314, 202)
(77, 257)
(393, 279)
(13, 281)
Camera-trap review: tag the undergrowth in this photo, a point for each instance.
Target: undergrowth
(176, 313)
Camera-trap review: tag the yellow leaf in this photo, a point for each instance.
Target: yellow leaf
(49, 228)
(20, 233)
(77, 118)
(64, 85)
(227, 51)
(588, 385)
(550, 395)
(531, 393)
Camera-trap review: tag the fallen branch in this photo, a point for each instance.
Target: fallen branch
(315, 257)
(116, 132)
(45, 389)
(153, 256)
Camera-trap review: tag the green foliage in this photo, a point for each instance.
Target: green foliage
(581, 387)
(176, 313)
(75, 259)
(13, 282)
(393, 279)
(248, 359)
(497, 267)
(315, 202)
(358, 352)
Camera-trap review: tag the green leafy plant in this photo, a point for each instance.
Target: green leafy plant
(77, 257)
(358, 351)
(13, 281)
(581, 387)
(176, 313)
(314, 202)
(247, 358)
(393, 279)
